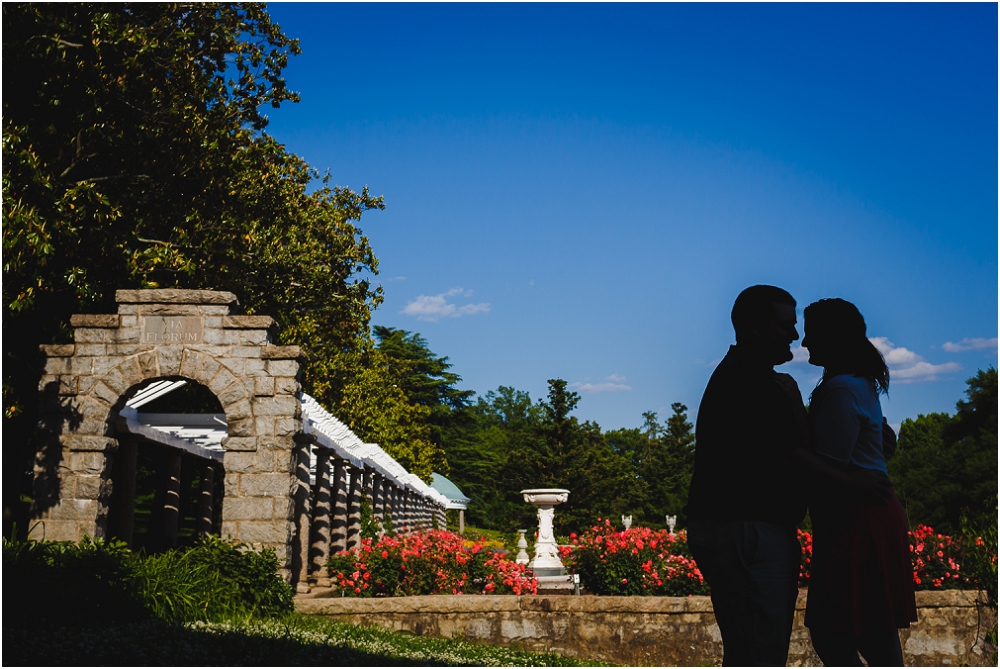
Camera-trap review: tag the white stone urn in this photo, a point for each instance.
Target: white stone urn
(546, 561)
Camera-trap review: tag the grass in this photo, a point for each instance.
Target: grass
(290, 641)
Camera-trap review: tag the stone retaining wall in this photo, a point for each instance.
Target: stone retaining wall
(645, 631)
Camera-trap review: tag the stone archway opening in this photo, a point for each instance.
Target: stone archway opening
(167, 475)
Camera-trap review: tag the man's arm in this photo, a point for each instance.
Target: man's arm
(858, 483)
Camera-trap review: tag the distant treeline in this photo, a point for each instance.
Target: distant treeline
(502, 442)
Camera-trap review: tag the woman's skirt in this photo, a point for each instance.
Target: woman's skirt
(861, 576)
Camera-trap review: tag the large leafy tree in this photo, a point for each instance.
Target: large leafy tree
(136, 155)
(945, 466)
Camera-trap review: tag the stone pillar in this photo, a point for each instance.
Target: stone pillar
(205, 498)
(339, 514)
(461, 521)
(322, 518)
(355, 491)
(303, 516)
(124, 488)
(172, 498)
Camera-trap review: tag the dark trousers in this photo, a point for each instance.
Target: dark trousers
(752, 568)
(841, 650)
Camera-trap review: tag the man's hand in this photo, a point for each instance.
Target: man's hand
(888, 440)
(870, 485)
(856, 483)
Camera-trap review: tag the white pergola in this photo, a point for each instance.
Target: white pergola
(201, 435)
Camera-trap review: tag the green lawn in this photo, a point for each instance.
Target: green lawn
(291, 641)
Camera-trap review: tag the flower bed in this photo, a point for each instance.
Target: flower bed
(643, 561)
(937, 561)
(638, 561)
(428, 563)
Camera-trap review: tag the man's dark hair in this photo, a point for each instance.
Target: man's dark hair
(755, 306)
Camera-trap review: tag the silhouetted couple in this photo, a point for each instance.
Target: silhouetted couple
(760, 460)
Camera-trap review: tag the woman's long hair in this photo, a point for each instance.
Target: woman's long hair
(840, 325)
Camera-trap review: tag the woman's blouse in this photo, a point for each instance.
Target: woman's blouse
(846, 420)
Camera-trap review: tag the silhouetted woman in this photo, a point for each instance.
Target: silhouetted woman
(861, 582)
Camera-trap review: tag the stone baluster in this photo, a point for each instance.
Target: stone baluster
(206, 495)
(378, 500)
(391, 503)
(353, 539)
(303, 515)
(322, 518)
(172, 498)
(404, 511)
(340, 511)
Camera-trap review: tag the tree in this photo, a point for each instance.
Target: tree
(662, 461)
(402, 396)
(485, 465)
(135, 156)
(572, 455)
(945, 466)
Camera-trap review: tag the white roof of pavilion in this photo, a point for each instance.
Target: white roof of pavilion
(202, 435)
(199, 434)
(331, 433)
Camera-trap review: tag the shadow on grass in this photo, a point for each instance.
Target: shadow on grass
(154, 643)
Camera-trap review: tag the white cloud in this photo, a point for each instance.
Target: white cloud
(613, 384)
(436, 307)
(906, 366)
(799, 354)
(971, 344)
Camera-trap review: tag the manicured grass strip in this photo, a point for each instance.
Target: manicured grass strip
(291, 641)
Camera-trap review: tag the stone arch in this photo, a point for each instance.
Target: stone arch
(115, 386)
(190, 334)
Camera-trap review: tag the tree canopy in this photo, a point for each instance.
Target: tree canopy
(945, 466)
(510, 443)
(136, 156)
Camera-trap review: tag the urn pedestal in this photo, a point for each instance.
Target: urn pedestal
(546, 561)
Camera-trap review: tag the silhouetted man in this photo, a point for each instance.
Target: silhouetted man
(745, 498)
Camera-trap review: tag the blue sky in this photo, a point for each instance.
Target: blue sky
(581, 191)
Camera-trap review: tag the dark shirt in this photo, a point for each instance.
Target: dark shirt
(750, 420)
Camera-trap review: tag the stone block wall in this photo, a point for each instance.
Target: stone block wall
(646, 631)
(169, 334)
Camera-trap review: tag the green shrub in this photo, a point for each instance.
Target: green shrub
(94, 582)
(252, 576)
(90, 582)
